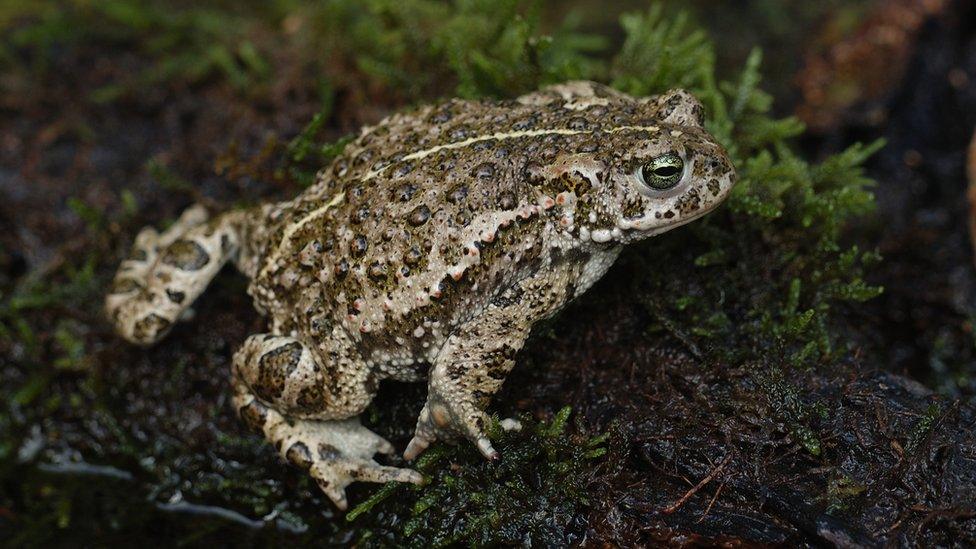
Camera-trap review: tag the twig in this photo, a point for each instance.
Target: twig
(710, 503)
(656, 311)
(672, 508)
(949, 513)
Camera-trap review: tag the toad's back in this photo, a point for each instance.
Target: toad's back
(423, 217)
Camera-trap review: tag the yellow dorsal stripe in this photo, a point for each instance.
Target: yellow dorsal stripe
(501, 137)
(293, 228)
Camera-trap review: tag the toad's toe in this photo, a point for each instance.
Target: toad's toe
(446, 419)
(416, 447)
(334, 475)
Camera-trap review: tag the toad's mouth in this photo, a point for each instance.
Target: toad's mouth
(652, 225)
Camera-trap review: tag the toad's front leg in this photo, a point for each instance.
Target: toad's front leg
(466, 373)
(476, 359)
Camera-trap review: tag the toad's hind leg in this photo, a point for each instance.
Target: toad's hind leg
(166, 272)
(281, 391)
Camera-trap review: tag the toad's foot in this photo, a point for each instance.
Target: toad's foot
(430, 430)
(149, 242)
(449, 414)
(335, 453)
(165, 273)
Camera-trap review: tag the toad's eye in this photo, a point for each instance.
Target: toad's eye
(663, 172)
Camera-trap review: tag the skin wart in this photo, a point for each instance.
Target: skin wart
(427, 251)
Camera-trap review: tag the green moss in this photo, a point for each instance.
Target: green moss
(660, 53)
(408, 48)
(185, 45)
(916, 438)
(531, 496)
(762, 281)
(309, 151)
(485, 47)
(842, 491)
(771, 258)
(785, 401)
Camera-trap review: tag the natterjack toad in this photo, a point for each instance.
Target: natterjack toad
(427, 250)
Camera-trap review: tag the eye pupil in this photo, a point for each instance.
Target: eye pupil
(666, 171)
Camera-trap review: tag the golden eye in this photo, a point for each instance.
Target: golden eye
(663, 172)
